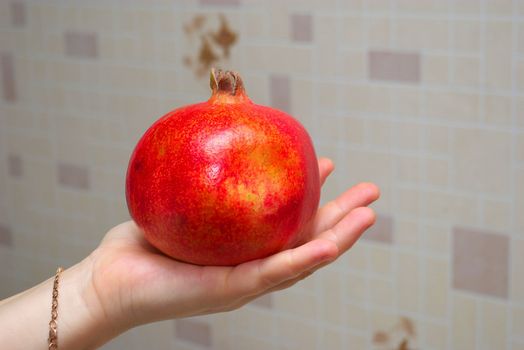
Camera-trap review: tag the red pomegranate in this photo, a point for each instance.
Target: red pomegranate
(224, 181)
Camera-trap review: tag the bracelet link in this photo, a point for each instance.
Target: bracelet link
(52, 340)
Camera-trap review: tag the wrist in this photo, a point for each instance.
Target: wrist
(82, 320)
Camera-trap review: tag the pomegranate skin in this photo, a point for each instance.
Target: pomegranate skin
(224, 181)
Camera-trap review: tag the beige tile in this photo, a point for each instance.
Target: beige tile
(379, 31)
(352, 130)
(407, 234)
(255, 24)
(407, 101)
(380, 260)
(381, 320)
(436, 336)
(436, 288)
(407, 135)
(29, 145)
(331, 312)
(517, 317)
(407, 169)
(466, 35)
(296, 334)
(366, 99)
(517, 278)
(518, 187)
(450, 208)
(499, 7)
(498, 109)
(494, 326)
(356, 288)
(408, 202)
(245, 341)
(279, 21)
(496, 215)
(481, 161)
(465, 313)
(416, 33)
(520, 36)
(372, 166)
(516, 345)
(377, 5)
(498, 54)
(17, 118)
(358, 318)
(331, 339)
(429, 6)
(407, 282)
(381, 293)
(326, 94)
(457, 106)
(437, 139)
(467, 71)
(480, 262)
(296, 303)
(437, 172)
(167, 21)
(353, 31)
(380, 133)
(520, 147)
(435, 69)
(357, 341)
(353, 65)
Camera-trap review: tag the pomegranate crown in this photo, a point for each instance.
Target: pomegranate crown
(226, 82)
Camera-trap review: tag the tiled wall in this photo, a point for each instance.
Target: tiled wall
(423, 97)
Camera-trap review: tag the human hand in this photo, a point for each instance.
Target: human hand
(132, 283)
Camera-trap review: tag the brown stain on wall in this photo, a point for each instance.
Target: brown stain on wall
(215, 45)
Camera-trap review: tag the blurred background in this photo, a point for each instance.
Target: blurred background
(423, 97)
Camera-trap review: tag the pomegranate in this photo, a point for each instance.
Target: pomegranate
(224, 181)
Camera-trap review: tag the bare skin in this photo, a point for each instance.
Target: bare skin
(126, 282)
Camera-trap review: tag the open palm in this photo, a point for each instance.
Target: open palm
(135, 283)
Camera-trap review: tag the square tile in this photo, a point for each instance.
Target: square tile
(8, 77)
(15, 166)
(394, 66)
(81, 44)
(265, 302)
(18, 13)
(73, 176)
(381, 231)
(301, 28)
(196, 332)
(280, 92)
(6, 237)
(480, 262)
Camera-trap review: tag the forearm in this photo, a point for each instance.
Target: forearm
(24, 318)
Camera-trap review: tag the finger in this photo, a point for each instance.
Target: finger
(291, 282)
(255, 277)
(325, 167)
(348, 230)
(345, 234)
(360, 195)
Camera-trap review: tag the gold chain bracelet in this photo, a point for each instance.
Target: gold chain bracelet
(52, 341)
